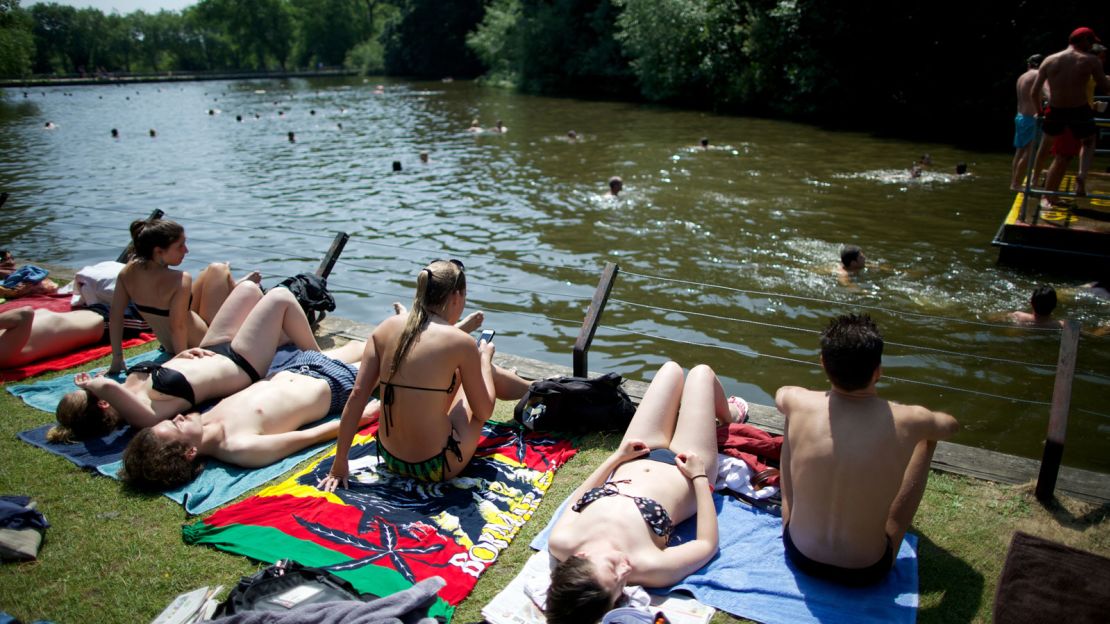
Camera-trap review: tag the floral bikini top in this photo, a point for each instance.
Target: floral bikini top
(656, 517)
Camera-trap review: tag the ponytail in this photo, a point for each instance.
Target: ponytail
(148, 234)
(433, 285)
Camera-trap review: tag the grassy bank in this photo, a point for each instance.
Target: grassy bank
(115, 556)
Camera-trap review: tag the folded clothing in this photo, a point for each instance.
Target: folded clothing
(21, 528)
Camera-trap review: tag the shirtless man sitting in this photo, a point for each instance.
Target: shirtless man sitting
(1067, 73)
(252, 428)
(854, 465)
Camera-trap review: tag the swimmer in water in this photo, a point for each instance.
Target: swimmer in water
(1043, 303)
(616, 185)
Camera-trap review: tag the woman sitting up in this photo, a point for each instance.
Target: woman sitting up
(252, 428)
(238, 347)
(27, 334)
(178, 309)
(437, 387)
(617, 530)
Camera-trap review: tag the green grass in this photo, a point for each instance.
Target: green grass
(114, 556)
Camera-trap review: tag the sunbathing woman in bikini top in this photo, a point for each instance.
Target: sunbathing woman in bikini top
(437, 387)
(235, 352)
(176, 307)
(617, 528)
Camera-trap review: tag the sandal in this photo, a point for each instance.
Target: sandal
(741, 408)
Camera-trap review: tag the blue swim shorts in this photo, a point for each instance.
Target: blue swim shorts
(1025, 128)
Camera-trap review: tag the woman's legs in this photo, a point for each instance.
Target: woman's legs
(210, 289)
(466, 429)
(703, 407)
(654, 422)
(232, 314)
(508, 385)
(276, 316)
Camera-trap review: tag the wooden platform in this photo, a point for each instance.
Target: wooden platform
(1073, 237)
(955, 458)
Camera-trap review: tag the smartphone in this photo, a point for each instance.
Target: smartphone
(487, 335)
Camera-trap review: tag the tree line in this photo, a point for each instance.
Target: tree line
(941, 69)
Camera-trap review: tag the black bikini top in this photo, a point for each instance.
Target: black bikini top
(167, 381)
(387, 397)
(152, 310)
(656, 517)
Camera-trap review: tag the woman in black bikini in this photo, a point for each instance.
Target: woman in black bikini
(235, 352)
(617, 529)
(437, 387)
(178, 309)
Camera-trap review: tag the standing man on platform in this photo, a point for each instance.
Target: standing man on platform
(854, 465)
(1025, 124)
(1067, 73)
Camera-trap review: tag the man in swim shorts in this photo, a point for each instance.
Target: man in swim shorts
(1025, 124)
(254, 427)
(1067, 73)
(854, 465)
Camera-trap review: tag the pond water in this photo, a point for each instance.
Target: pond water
(726, 255)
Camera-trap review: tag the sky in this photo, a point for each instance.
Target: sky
(122, 6)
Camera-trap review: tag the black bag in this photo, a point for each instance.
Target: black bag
(285, 585)
(311, 292)
(576, 405)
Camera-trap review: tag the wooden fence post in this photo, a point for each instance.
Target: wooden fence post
(328, 263)
(593, 318)
(1058, 412)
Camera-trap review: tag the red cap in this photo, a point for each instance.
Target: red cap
(1079, 33)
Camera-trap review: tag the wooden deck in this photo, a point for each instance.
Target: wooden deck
(955, 458)
(1074, 235)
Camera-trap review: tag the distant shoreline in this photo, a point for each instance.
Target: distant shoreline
(170, 77)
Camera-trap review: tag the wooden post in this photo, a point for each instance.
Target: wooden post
(129, 249)
(593, 318)
(328, 263)
(1058, 412)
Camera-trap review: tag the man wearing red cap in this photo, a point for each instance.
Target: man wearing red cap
(1067, 73)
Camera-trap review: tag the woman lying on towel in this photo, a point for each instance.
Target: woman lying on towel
(178, 309)
(27, 334)
(234, 353)
(617, 529)
(437, 387)
(252, 428)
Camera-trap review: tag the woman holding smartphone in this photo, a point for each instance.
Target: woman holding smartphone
(437, 387)
(178, 309)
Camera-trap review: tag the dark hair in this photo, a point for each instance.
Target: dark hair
(147, 234)
(849, 254)
(1044, 300)
(1034, 60)
(705, 140)
(150, 463)
(616, 181)
(851, 349)
(961, 168)
(575, 595)
(434, 284)
(80, 417)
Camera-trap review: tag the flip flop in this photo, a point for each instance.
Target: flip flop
(741, 408)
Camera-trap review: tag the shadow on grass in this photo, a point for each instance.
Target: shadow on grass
(960, 586)
(1093, 515)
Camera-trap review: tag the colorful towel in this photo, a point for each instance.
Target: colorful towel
(59, 303)
(751, 578)
(386, 532)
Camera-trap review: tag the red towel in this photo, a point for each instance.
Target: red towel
(750, 444)
(68, 360)
(54, 303)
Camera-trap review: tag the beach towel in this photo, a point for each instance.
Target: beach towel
(44, 395)
(388, 532)
(750, 577)
(54, 303)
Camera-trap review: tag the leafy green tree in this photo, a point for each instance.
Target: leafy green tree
(428, 38)
(568, 47)
(51, 32)
(17, 45)
(327, 30)
(497, 43)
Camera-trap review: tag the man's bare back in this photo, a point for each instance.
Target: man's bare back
(844, 465)
(1067, 73)
(854, 466)
(1025, 101)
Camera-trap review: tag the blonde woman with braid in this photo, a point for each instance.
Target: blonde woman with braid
(437, 387)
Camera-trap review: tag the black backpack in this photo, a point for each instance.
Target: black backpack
(576, 405)
(311, 292)
(285, 585)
